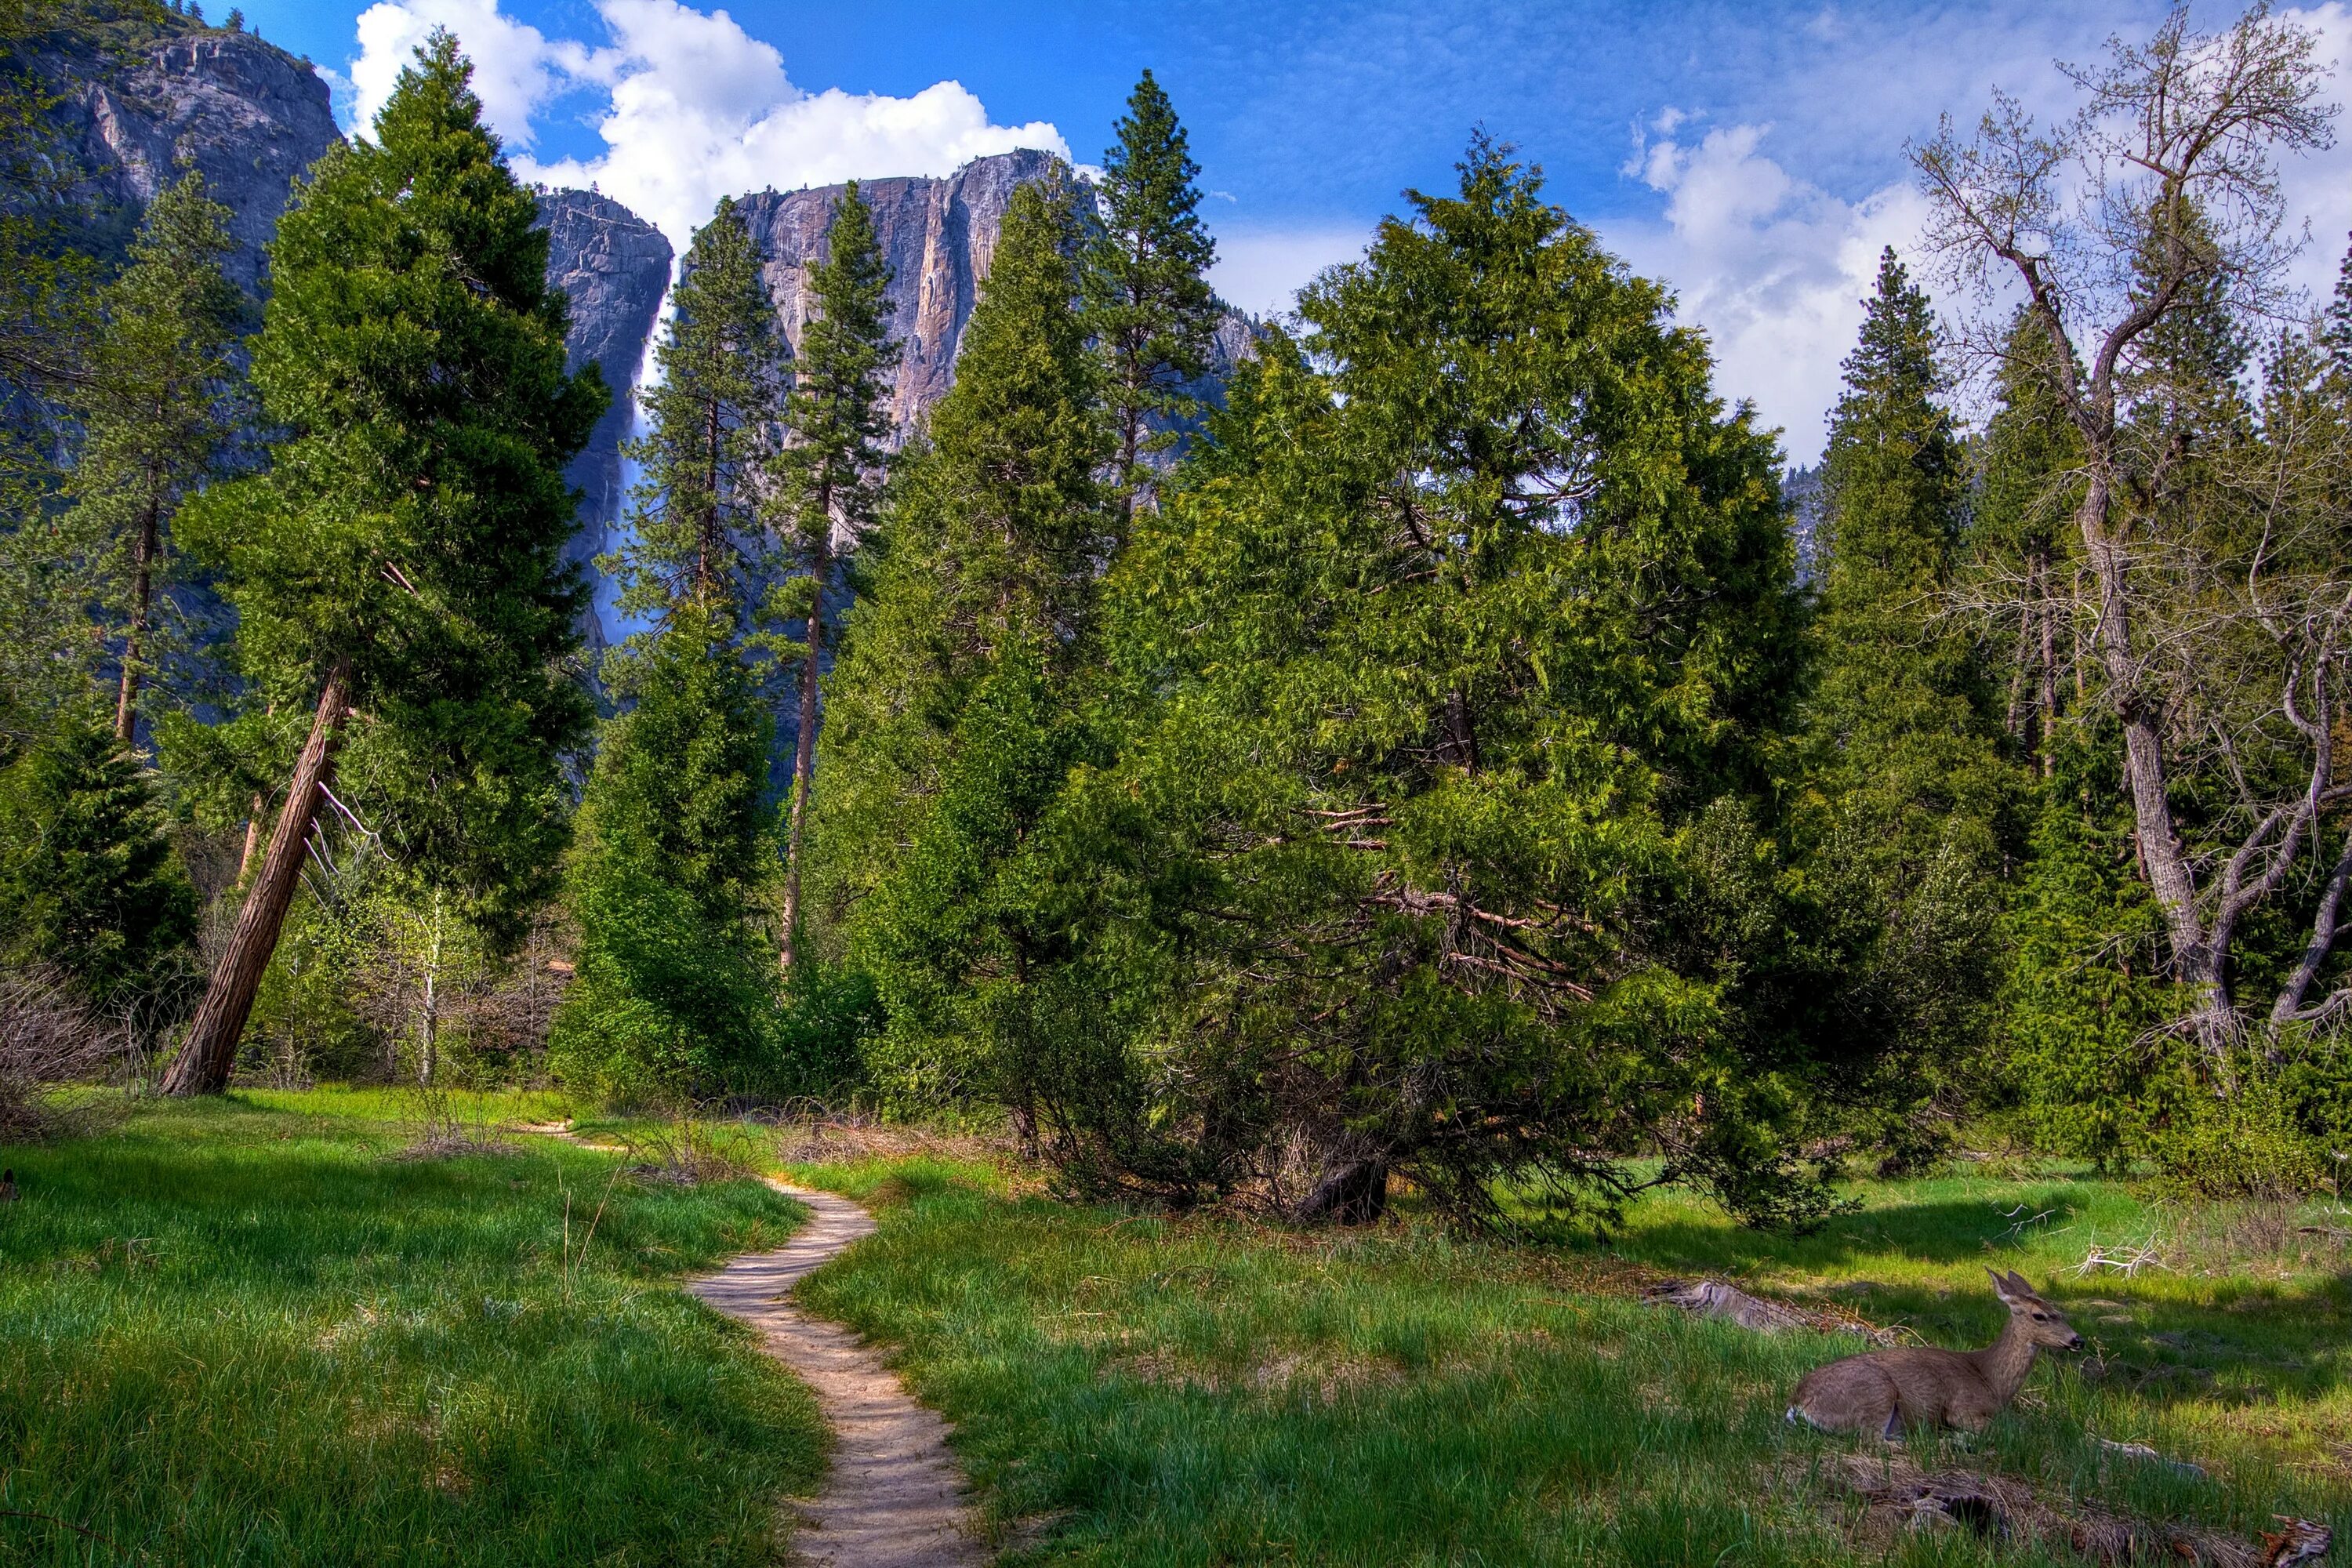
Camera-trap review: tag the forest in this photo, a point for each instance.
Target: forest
(1448, 777)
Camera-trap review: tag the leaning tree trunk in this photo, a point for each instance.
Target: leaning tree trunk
(803, 756)
(2198, 961)
(204, 1060)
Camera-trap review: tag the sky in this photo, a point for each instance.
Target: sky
(1751, 156)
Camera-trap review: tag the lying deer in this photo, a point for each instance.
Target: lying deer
(1885, 1391)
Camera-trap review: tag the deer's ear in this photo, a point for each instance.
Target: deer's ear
(2008, 1287)
(2018, 1283)
(1999, 1285)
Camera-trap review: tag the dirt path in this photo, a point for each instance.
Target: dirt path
(893, 1497)
(893, 1494)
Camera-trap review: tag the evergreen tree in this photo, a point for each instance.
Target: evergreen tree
(403, 557)
(1466, 615)
(830, 468)
(674, 837)
(1149, 306)
(157, 405)
(713, 418)
(87, 880)
(1918, 802)
(2022, 541)
(986, 560)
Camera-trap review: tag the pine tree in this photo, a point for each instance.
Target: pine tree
(674, 838)
(1149, 306)
(157, 404)
(830, 466)
(1920, 806)
(87, 880)
(403, 557)
(713, 423)
(985, 561)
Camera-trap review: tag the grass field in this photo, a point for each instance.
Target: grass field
(1201, 1391)
(248, 1332)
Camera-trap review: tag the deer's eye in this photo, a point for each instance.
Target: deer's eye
(2041, 1317)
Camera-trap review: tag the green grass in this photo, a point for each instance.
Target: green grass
(244, 1332)
(1130, 1389)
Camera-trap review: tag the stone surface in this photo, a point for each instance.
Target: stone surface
(615, 266)
(248, 115)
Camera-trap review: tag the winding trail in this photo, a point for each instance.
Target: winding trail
(892, 1496)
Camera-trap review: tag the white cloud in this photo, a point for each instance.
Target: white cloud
(516, 69)
(1773, 267)
(696, 109)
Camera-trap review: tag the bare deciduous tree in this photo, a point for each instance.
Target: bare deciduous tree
(2160, 197)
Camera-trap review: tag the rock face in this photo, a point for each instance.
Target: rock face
(248, 115)
(614, 265)
(938, 236)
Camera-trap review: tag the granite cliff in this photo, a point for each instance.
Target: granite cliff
(245, 113)
(615, 266)
(938, 236)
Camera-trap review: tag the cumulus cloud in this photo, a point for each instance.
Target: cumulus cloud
(696, 106)
(1773, 267)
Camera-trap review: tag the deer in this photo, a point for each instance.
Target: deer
(1881, 1392)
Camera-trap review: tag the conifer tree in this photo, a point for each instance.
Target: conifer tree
(157, 405)
(713, 415)
(1149, 306)
(830, 469)
(674, 837)
(87, 880)
(1920, 804)
(984, 572)
(399, 570)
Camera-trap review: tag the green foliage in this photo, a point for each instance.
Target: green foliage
(1148, 307)
(712, 418)
(1912, 814)
(1421, 679)
(2086, 1008)
(412, 522)
(159, 407)
(673, 997)
(836, 418)
(987, 549)
(87, 879)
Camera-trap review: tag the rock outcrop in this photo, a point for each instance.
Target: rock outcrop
(245, 113)
(938, 236)
(615, 266)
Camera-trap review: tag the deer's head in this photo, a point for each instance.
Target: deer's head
(2037, 1320)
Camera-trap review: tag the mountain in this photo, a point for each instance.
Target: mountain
(615, 266)
(248, 115)
(938, 236)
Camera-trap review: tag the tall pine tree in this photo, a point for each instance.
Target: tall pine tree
(402, 560)
(1919, 806)
(830, 469)
(158, 405)
(950, 700)
(714, 416)
(1149, 306)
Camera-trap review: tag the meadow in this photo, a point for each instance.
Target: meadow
(265, 1331)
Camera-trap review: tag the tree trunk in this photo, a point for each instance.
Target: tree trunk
(2323, 940)
(252, 838)
(142, 579)
(2196, 960)
(204, 1060)
(1357, 1193)
(804, 748)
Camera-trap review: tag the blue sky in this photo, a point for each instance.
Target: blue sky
(1750, 154)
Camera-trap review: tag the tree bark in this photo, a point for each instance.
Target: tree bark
(805, 743)
(252, 838)
(142, 577)
(210, 1050)
(2323, 940)
(2197, 962)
